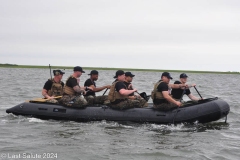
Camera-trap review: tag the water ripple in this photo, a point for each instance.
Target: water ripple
(113, 140)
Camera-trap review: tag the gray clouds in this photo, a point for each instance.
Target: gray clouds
(193, 35)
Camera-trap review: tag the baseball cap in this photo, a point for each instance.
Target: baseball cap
(94, 72)
(183, 75)
(166, 74)
(77, 68)
(58, 72)
(118, 73)
(129, 74)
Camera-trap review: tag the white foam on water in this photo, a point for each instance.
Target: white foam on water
(172, 127)
(4, 121)
(124, 126)
(36, 120)
(105, 123)
(11, 116)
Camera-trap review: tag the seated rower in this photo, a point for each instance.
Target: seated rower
(91, 95)
(72, 90)
(162, 99)
(177, 93)
(118, 94)
(53, 87)
(128, 79)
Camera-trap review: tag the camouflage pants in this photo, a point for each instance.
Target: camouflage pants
(75, 101)
(96, 99)
(165, 106)
(129, 103)
(143, 102)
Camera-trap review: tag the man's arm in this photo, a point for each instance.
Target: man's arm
(170, 99)
(47, 86)
(192, 97)
(44, 93)
(99, 88)
(176, 86)
(79, 89)
(82, 90)
(126, 92)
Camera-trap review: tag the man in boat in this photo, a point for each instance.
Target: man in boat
(118, 94)
(162, 99)
(178, 93)
(91, 95)
(53, 87)
(72, 90)
(128, 79)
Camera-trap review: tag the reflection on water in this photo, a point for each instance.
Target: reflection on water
(113, 140)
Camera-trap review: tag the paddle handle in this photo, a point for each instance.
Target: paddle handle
(198, 92)
(105, 91)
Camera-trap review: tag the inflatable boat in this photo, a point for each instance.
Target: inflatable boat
(203, 111)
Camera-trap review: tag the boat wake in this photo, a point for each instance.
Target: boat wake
(185, 127)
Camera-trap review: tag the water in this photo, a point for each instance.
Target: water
(32, 138)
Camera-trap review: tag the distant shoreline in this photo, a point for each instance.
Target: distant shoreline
(125, 69)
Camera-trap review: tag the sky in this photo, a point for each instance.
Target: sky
(199, 35)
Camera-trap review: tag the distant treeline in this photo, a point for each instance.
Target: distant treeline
(6, 65)
(106, 68)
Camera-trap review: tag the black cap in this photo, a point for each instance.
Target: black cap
(77, 68)
(58, 72)
(183, 75)
(94, 72)
(129, 74)
(118, 73)
(166, 74)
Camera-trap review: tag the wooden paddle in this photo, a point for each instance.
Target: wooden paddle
(43, 99)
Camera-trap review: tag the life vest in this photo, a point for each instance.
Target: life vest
(69, 90)
(114, 95)
(156, 94)
(56, 89)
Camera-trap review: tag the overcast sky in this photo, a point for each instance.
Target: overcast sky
(152, 34)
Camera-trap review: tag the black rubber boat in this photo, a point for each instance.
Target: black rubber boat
(204, 111)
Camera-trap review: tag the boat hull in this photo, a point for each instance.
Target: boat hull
(204, 112)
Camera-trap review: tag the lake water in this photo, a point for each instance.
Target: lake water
(31, 138)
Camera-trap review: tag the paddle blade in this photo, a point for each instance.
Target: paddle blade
(43, 99)
(144, 96)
